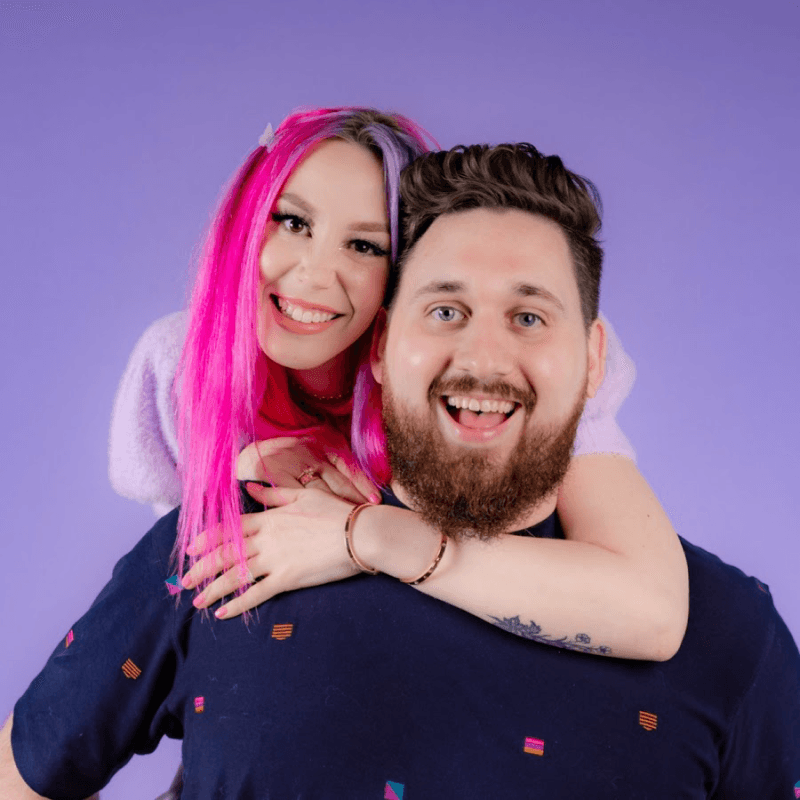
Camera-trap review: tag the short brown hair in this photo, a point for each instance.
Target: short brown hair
(507, 176)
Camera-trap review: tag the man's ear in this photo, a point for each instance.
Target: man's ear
(597, 342)
(378, 347)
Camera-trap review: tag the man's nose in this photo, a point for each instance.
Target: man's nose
(484, 351)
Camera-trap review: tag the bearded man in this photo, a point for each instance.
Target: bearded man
(489, 308)
(367, 689)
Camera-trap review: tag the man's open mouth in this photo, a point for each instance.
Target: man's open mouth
(472, 412)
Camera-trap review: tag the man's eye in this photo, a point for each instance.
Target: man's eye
(447, 313)
(291, 222)
(527, 319)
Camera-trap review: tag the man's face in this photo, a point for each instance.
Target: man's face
(486, 364)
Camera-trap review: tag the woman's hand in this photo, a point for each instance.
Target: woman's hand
(297, 543)
(284, 460)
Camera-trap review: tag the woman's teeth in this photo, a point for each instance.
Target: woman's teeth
(303, 314)
(487, 406)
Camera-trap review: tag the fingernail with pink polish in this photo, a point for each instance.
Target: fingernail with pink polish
(374, 498)
(199, 600)
(221, 612)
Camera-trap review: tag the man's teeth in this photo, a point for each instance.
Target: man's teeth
(303, 314)
(496, 406)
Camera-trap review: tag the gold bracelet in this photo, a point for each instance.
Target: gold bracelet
(348, 538)
(435, 563)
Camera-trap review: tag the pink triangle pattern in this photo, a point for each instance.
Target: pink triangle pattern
(393, 791)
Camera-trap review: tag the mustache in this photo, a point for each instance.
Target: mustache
(467, 384)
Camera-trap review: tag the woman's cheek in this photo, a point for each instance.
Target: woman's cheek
(370, 289)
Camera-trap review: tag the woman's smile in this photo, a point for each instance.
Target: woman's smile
(300, 317)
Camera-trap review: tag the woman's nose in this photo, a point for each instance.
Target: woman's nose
(317, 268)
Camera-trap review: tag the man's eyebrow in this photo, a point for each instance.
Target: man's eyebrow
(529, 290)
(309, 210)
(519, 289)
(439, 287)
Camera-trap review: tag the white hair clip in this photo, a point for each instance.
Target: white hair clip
(265, 140)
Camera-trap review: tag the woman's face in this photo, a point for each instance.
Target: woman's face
(325, 259)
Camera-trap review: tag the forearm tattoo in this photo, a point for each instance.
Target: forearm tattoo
(580, 642)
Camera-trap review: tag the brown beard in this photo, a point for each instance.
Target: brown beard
(464, 494)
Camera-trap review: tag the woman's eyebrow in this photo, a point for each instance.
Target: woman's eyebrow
(299, 202)
(370, 227)
(310, 211)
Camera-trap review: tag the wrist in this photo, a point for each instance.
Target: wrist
(348, 540)
(395, 541)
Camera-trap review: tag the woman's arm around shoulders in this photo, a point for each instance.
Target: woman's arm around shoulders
(618, 587)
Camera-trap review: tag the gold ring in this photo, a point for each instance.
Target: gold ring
(307, 475)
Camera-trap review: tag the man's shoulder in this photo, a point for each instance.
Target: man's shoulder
(712, 580)
(733, 622)
(150, 560)
(164, 533)
(743, 668)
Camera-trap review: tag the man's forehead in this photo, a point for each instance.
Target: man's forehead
(513, 251)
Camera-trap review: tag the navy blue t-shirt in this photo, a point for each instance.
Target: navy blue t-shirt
(368, 689)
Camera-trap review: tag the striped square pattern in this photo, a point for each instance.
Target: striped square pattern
(70, 638)
(130, 670)
(534, 746)
(648, 721)
(282, 631)
(199, 705)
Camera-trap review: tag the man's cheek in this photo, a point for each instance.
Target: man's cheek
(554, 376)
(412, 355)
(416, 360)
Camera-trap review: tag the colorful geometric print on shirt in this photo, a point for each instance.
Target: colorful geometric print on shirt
(377, 685)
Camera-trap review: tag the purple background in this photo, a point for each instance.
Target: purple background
(120, 124)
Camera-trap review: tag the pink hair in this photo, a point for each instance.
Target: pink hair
(228, 392)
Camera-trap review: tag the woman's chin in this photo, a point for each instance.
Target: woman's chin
(304, 358)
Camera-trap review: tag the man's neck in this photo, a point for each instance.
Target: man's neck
(533, 516)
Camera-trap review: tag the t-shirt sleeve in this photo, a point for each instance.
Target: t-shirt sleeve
(761, 750)
(143, 444)
(102, 695)
(598, 431)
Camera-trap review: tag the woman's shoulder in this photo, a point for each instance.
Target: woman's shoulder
(143, 444)
(162, 340)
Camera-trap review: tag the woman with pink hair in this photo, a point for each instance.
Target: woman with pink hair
(273, 375)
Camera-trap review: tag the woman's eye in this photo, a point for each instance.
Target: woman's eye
(527, 319)
(447, 314)
(363, 247)
(291, 222)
